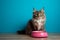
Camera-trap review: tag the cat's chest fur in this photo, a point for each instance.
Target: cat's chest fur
(40, 21)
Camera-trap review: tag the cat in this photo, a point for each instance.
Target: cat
(39, 19)
(36, 23)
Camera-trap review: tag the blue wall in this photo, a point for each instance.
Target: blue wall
(14, 14)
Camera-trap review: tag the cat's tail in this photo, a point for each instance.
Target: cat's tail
(21, 32)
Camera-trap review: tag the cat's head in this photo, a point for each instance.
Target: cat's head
(37, 14)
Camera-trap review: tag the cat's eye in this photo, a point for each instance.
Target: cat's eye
(36, 15)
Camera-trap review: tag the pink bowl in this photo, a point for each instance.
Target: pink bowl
(39, 34)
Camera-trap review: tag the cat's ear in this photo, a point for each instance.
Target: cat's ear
(42, 10)
(34, 9)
